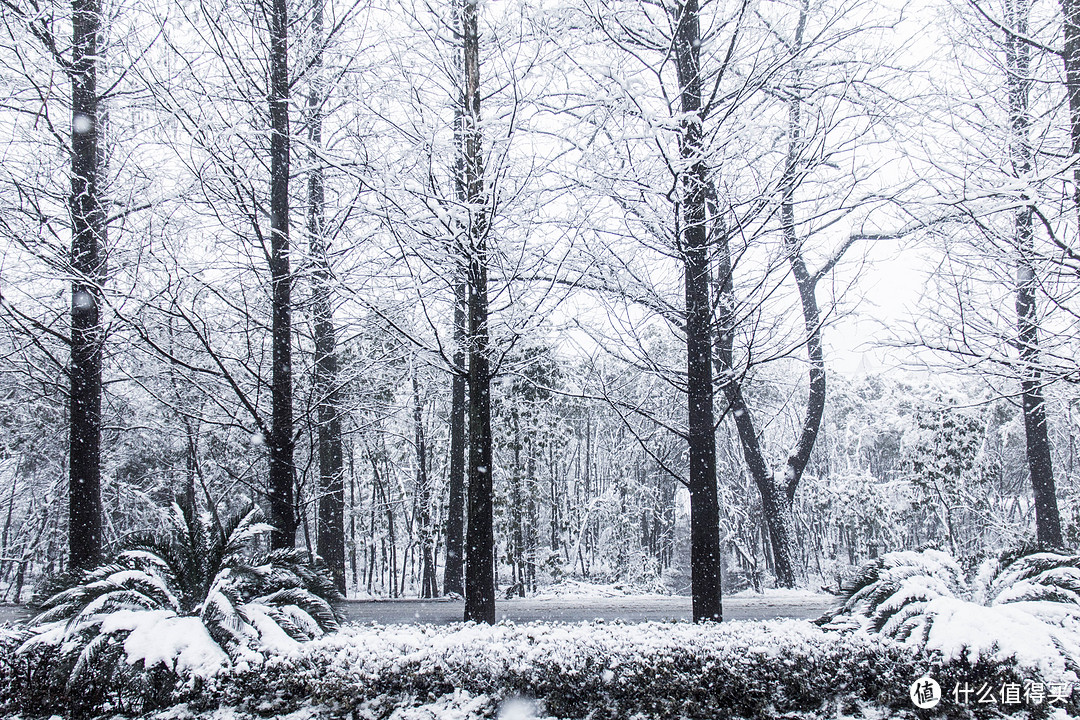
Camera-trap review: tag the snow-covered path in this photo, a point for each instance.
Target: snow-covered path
(571, 608)
(566, 608)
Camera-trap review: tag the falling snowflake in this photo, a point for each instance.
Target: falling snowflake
(81, 124)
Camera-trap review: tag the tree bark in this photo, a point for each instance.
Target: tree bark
(330, 530)
(705, 556)
(480, 540)
(1040, 465)
(87, 265)
(429, 587)
(453, 572)
(1070, 10)
(453, 578)
(778, 490)
(282, 505)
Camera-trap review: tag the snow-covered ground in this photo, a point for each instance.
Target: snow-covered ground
(568, 602)
(573, 608)
(574, 601)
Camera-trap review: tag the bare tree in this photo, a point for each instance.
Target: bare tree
(1010, 236)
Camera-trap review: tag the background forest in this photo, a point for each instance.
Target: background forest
(257, 234)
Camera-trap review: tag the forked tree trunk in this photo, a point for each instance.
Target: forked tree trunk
(777, 489)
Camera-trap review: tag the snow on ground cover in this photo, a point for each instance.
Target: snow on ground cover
(786, 595)
(464, 706)
(457, 705)
(461, 705)
(585, 591)
(588, 592)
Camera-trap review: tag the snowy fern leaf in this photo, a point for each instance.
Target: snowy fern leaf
(314, 606)
(89, 660)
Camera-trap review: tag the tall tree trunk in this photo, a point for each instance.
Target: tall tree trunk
(330, 531)
(282, 505)
(480, 541)
(705, 556)
(453, 572)
(1070, 10)
(1040, 465)
(87, 265)
(777, 490)
(429, 587)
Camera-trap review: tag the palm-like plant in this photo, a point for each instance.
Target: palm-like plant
(188, 603)
(887, 591)
(1023, 605)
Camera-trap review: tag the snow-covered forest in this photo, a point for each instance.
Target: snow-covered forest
(474, 298)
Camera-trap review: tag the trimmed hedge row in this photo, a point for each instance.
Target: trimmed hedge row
(597, 670)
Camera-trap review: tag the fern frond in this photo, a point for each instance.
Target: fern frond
(89, 658)
(320, 611)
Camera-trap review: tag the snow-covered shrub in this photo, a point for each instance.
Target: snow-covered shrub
(168, 612)
(595, 670)
(1021, 608)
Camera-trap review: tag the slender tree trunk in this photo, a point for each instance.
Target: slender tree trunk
(1040, 465)
(776, 509)
(516, 550)
(5, 563)
(187, 499)
(87, 265)
(282, 504)
(777, 490)
(1070, 10)
(352, 523)
(429, 587)
(783, 539)
(480, 541)
(705, 555)
(330, 530)
(453, 572)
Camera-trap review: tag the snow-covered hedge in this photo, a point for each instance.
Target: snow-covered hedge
(662, 670)
(596, 670)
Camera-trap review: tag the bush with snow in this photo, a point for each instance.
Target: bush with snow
(168, 613)
(1021, 608)
(909, 615)
(596, 670)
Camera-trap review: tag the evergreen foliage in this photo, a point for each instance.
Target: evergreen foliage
(1022, 606)
(169, 611)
